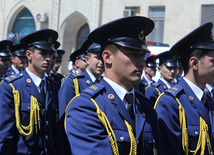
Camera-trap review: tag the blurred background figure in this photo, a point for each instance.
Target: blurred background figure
(150, 71)
(18, 59)
(168, 68)
(78, 62)
(5, 49)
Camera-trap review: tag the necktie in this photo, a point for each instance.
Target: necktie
(204, 100)
(42, 90)
(96, 81)
(129, 99)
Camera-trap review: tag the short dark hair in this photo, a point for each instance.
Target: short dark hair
(198, 53)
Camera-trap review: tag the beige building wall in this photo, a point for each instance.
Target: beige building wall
(68, 16)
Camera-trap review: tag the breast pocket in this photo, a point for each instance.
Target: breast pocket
(193, 133)
(24, 113)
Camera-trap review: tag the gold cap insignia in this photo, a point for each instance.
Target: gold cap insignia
(28, 80)
(50, 40)
(88, 81)
(141, 35)
(110, 96)
(191, 98)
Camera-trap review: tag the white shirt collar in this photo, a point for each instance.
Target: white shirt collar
(209, 87)
(15, 70)
(37, 80)
(198, 92)
(148, 81)
(166, 83)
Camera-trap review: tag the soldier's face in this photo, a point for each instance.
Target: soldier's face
(39, 60)
(56, 66)
(167, 73)
(150, 71)
(4, 64)
(205, 68)
(95, 65)
(81, 65)
(126, 67)
(19, 62)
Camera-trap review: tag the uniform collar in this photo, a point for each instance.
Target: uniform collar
(198, 92)
(91, 76)
(120, 91)
(148, 81)
(15, 70)
(37, 80)
(166, 83)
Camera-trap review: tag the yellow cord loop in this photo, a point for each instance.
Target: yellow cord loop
(133, 149)
(34, 113)
(67, 110)
(203, 136)
(112, 138)
(76, 86)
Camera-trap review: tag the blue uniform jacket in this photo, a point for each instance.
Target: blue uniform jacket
(151, 92)
(142, 85)
(66, 93)
(10, 71)
(11, 141)
(67, 90)
(168, 118)
(87, 135)
(57, 78)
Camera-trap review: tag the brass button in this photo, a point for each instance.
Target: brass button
(196, 133)
(122, 139)
(46, 137)
(47, 123)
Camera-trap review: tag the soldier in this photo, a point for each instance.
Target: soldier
(167, 67)
(70, 88)
(18, 60)
(185, 113)
(28, 101)
(5, 49)
(78, 59)
(99, 117)
(150, 71)
(57, 77)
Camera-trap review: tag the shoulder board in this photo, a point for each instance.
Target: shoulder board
(93, 90)
(76, 75)
(174, 90)
(12, 77)
(155, 84)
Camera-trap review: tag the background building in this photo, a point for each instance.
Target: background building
(74, 20)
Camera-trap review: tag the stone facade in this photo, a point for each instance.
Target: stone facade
(68, 16)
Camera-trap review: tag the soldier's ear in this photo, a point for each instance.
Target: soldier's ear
(29, 55)
(107, 56)
(193, 62)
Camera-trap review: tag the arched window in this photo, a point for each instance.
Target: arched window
(23, 24)
(82, 35)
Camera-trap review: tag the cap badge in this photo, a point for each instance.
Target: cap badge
(141, 35)
(50, 40)
(174, 57)
(22, 50)
(7, 48)
(110, 96)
